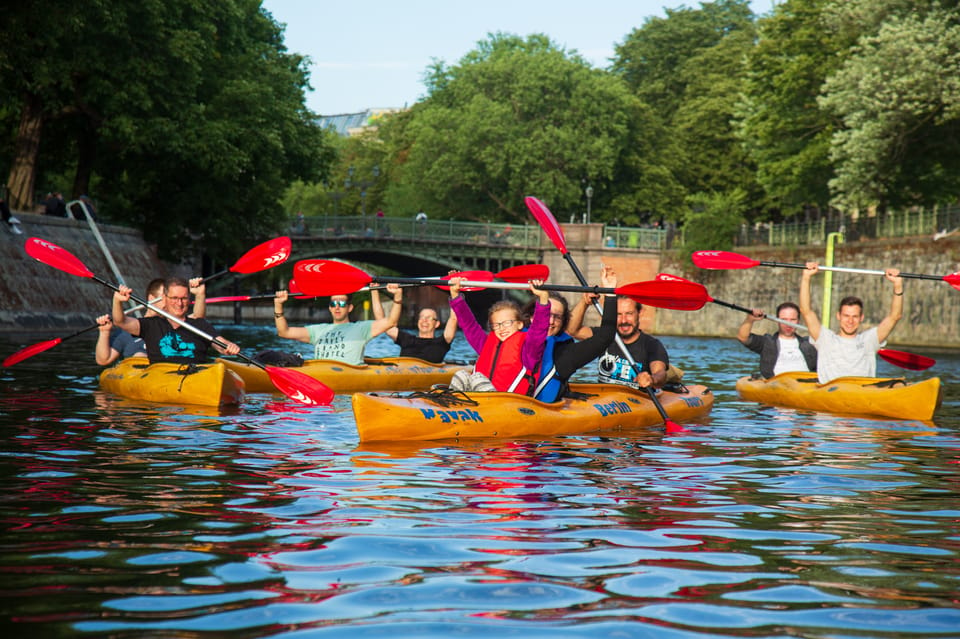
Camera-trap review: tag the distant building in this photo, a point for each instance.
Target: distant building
(348, 124)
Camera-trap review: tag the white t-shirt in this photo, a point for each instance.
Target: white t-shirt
(790, 358)
(846, 356)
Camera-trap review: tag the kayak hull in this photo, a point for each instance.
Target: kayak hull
(203, 385)
(866, 396)
(389, 373)
(606, 408)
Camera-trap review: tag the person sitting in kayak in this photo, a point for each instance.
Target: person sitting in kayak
(849, 352)
(113, 343)
(646, 350)
(167, 340)
(562, 355)
(783, 351)
(426, 344)
(340, 340)
(508, 356)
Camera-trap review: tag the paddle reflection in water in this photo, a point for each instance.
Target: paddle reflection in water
(129, 519)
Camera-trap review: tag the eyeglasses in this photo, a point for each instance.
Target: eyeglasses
(178, 299)
(337, 304)
(556, 317)
(504, 324)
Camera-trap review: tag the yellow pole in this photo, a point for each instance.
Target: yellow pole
(825, 311)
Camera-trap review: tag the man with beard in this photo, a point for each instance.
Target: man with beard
(849, 352)
(647, 351)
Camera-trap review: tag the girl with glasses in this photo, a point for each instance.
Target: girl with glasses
(508, 356)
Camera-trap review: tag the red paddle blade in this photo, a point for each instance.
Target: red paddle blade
(722, 260)
(678, 296)
(300, 387)
(318, 278)
(59, 258)
(547, 222)
(953, 280)
(470, 276)
(30, 351)
(267, 255)
(909, 361)
(524, 273)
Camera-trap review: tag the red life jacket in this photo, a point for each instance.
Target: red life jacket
(501, 362)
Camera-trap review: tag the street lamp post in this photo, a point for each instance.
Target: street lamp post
(589, 193)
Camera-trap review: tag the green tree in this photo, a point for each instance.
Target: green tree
(783, 129)
(712, 221)
(898, 98)
(188, 116)
(652, 57)
(518, 117)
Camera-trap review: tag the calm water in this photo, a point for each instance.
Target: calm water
(123, 520)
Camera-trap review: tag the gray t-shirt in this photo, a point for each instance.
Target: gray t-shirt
(846, 356)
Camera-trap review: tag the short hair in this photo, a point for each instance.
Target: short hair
(852, 300)
(349, 297)
(175, 281)
(790, 305)
(155, 287)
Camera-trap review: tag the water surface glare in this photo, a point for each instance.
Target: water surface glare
(125, 519)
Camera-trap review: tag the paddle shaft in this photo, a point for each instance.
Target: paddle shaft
(597, 290)
(770, 317)
(651, 392)
(846, 269)
(177, 320)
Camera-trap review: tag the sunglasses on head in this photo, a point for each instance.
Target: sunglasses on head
(338, 303)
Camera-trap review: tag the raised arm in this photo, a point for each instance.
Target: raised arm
(888, 323)
(450, 330)
(377, 307)
(104, 353)
(384, 324)
(122, 320)
(299, 333)
(746, 328)
(575, 327)
(199, 291)
(806, 312)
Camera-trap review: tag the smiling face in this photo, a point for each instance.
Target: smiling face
(556, 318)
(849, 316)
(504, 323)
(427, 322)
(177, 301)
(628, 319)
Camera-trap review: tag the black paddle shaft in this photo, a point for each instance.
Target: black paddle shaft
(651, 392)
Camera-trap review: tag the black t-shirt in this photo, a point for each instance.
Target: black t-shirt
(179, 345)
(431, 349)
(616, 369)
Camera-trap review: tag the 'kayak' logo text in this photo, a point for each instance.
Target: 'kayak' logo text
(447, 416)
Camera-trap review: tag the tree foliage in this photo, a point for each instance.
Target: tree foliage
(897, 96)
(519, 117)
(184, 118)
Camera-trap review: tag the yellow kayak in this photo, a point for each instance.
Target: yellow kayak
(204, 384)
(867, 396)
(444, 414)
(388, 373)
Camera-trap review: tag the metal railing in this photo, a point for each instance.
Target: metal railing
(935, 222)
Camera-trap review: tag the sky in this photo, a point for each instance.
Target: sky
(373, 54)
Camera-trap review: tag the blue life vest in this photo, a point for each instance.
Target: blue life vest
(549, 386)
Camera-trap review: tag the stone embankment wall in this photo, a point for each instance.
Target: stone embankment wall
(37, 297)
(931, 308)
